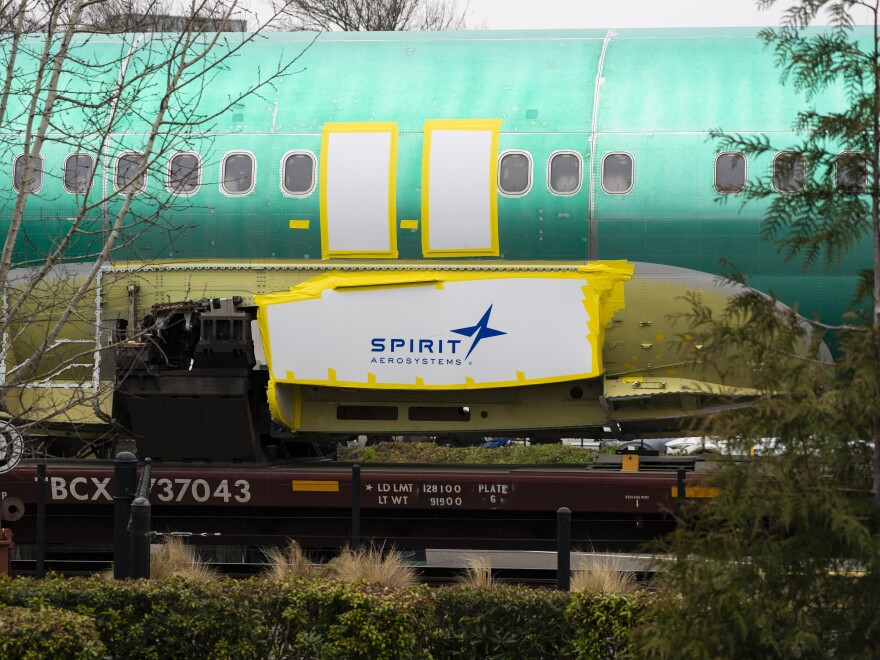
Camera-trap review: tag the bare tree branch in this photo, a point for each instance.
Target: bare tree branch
(60, 90)
(374, 15)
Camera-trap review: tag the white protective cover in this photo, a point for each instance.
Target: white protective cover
(517, 330)
(357, 190)
(459, 205)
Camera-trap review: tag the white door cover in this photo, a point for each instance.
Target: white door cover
(441, 330)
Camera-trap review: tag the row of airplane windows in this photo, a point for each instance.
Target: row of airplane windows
(564, 173)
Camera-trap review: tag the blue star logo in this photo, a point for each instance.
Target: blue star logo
(479, 331)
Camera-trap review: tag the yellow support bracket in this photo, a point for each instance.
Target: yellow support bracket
(629, 463)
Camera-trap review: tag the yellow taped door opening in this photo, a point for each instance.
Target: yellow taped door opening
(358, 190)
(459, 200)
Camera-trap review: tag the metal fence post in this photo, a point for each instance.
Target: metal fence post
(139, 526)
(563, 549)
(681, 492)
(355, 506)
(41, 520)
(140, 538)
(125, 483)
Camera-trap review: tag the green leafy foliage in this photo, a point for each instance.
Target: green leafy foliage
(47, 632)
(782, 564)
(504, 622)
(427, 452)
(820, 223)
(785, 562)
(602, 623)
(163, 618)
(338, 620)
(313, 618)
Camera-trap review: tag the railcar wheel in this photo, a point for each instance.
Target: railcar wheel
(12, 509)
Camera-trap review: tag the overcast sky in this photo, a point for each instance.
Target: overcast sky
(537, 14)
(548, 14)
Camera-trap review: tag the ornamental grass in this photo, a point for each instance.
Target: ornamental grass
(373, 566)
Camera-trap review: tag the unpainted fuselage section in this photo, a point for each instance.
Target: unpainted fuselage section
(190, 378)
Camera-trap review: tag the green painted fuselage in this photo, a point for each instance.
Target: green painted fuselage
(652, 94)
(184, 393)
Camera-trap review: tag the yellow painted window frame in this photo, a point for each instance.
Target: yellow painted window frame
(431, 125)
(359, 127)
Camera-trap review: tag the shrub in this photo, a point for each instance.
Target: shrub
(426, 452)
(602, 623)
(163, 618)
(506, 622)
(47, 633)
(256, 618)
(340, 620)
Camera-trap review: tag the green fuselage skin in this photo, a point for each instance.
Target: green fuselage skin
(650, 93)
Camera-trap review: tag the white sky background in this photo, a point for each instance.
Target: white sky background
(549, 14)
(541, 14)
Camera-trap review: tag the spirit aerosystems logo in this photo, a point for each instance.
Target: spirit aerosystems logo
(423, 350)
(479, 331)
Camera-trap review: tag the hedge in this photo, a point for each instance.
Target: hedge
(506, 622)
(163, 618)
(309, 619)
(47, 632)
(427, 452)
(601, 623)
(339, 620)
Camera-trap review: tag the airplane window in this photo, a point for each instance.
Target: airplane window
(238, 174)
(617, 173)
(78, 172)
(851, 172)
(565, 173)
(184, 174)
(127, 177)
(788, 171)
(730, 172)
(299, 173)
(515, 173)
(18, 174)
